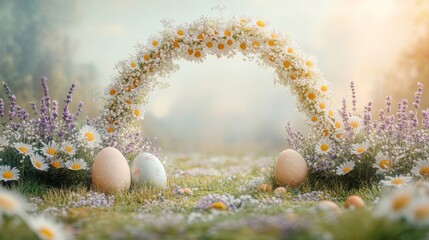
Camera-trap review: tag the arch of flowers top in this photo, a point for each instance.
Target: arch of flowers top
(126, 96)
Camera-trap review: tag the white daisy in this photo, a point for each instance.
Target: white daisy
(180, 31)
(338, 122)
(77, 164)
(8, 174)
(355, 123)
(360, 148)
(56, 163)
(68, 148)
(38, 162)
(50, 150)
(322, 106)
(111, 91)
(90, 136)
(383, 162)
(220, 48)
(3, 143)
(46, 228)
(138, 111)
(418, 212)
(12, 203)
(421, 168)
(24, 149)
(345, 168)
(134, 63)
(398, 181)
(154, 41)
(260, 23)
(395, 205)
(323, 146)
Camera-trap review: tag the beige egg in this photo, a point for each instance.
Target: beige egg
(291, 169)
(280, 190)
(110, 171)
(354, 202)
(328, 206)
(187, 191)
(264, 187)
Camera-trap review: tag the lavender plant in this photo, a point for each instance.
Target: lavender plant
(364, 149)
(44, 143)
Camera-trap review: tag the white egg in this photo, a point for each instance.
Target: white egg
(110, 171)
(148, 170)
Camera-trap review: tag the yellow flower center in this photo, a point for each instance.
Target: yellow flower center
(146, 57)
(56, 164)
(243, 21)
(293, 77)
(255, 44)
(397, 181)
(322, 106)
(337, 124)
(8, 175)
(68, 149)
(424, 171)
(309, 63)
(220, 46)
(46, 233)
(229, 42)
(76, 166)
(346, 169)
(89, 136)
(354, 124)
(311, 96)
(290, 50)
(324, 88)
(243, 46)
(227, 33)
(6, 204)
(154, 43)
(308, 74)
(325, 132)
(286, 64)
(180, 32)
(133, 64)
(324, 147)
(112, 92)
(137, 112)
(197, 54)
(314, 119)
(360, 150)
(51, 151)
(219, 206)
(385, 164)
(190, 51)
(271, 43)
(331, 113)
(209, 44)
(200, 36)
(422, 212)
(38, 164)
(400, 202)
(23, 149)
(175, 44)
(260, 23)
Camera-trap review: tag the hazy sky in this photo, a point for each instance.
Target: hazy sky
(230, 104)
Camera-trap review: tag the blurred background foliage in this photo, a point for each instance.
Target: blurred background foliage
(34, 42)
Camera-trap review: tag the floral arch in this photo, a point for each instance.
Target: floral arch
(124, 99)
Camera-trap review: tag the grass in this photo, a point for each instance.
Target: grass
(149, 213)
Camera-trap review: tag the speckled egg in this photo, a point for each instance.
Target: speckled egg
(110, 171)
(148, 170)
(291, 169)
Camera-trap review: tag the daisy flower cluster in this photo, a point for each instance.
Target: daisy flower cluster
(393, 146)
(410, 204)
(125, 98)
(44, 139)
(14, 207)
